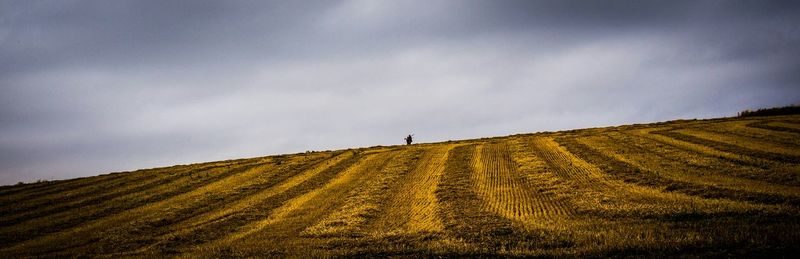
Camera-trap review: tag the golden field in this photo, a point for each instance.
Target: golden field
(720, 187)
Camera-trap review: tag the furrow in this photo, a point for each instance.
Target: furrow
(504, 190)
(741, 151)
(118, 229)
(776, 128)
(539, 182)
(215, 224)
(740, 129)
(366, 201)
(65, 220)
(709, 151)
(461, 207)
(413, 208)
(597, 194)
(285, 223)
(697, 162)
(58, 205)
(642, 168)
(747, 143)
(72, 194)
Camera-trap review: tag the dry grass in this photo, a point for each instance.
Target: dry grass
(413, 208)
(723, 187)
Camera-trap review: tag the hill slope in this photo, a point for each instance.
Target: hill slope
(709, 187)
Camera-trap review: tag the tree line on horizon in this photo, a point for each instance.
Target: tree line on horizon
(785, 110)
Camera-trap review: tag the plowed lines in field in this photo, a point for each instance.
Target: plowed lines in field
(748, 143)
(94, 194)
(740, 129)
(218, 229)
(696, 162)
(51, 206)
(18, 194)
(774, 127)
(99, 184)
(73, 190)
(503, 190)
(569, 167)
(584, 179)
(539, 180)
(741, 151)
(641, 167)
(67, 219)
(257, 198)
(413, 208)
(681, 144)
(765, 170)
(148, 216)
(215, 223)
(597, 191)
(366, 201)
(288, 220)
(461, 207)
(786, 123)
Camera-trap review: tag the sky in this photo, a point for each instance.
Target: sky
(90, 87)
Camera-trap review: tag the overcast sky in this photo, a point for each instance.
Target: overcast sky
(89, 87)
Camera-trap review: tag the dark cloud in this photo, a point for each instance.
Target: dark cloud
(97, 86)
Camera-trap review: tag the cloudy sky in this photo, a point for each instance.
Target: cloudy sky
(88, 87)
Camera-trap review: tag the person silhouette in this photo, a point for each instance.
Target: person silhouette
(408, 140)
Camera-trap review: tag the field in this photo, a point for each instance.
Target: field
(720, 187)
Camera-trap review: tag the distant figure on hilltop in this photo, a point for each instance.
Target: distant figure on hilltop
(408, 139)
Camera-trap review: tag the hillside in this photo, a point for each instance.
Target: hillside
(702, 187)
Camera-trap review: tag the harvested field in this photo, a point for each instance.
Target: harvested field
(721, 187)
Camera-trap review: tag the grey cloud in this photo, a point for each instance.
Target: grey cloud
(98, 86)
